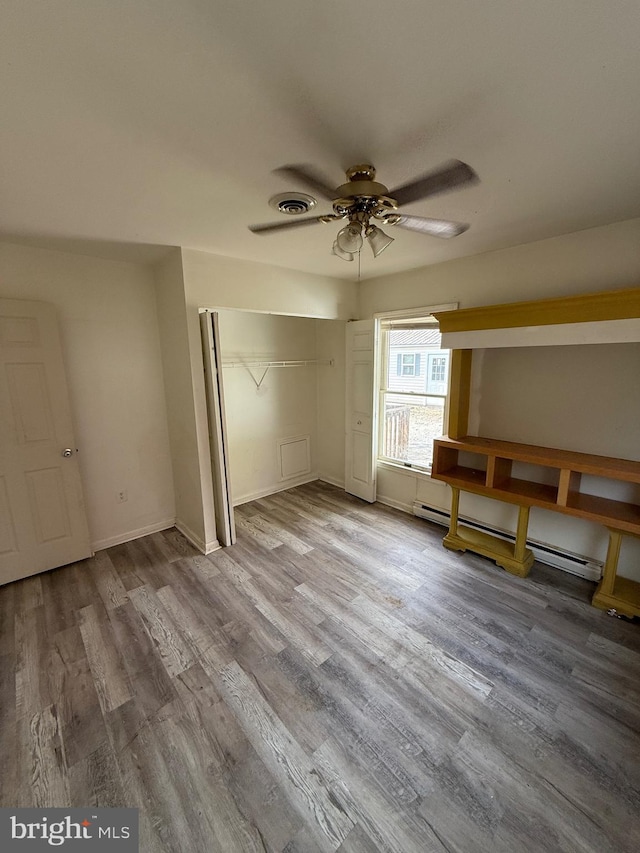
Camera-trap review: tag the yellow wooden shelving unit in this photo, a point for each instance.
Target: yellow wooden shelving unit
(484, 465)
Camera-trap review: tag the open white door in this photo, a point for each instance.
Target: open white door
(360, 470)
(225, 523)
(42, 519)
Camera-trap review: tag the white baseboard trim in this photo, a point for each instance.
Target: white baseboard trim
(272, 490)
(327, 479)
(197, 541)
(130, 535)
(408, 508)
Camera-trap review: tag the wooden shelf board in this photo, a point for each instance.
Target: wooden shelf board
(460, 475)
(616, 514)
(613, 514)
(519, 492)
(626, 470)
(540, 493)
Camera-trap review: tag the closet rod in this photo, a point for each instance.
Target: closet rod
(304, 363)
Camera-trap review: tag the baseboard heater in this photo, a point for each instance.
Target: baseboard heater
(575, 564)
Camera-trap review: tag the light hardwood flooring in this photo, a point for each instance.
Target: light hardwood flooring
(336, 681)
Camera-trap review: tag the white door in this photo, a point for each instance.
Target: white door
(360, 469)
(437, 372)
(42, 520)
(223, 505)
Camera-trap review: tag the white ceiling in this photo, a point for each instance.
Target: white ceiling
(131, 124)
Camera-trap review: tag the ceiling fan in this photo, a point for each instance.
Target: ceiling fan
(364, 202)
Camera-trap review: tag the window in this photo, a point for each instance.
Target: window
(408, 364)
(413, 390)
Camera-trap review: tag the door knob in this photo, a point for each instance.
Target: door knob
(67, 452)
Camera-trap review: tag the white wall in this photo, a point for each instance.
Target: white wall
(214, 281)
(584, 398)
(529, 395)
(587, 261)
(108, 324)
(178, 383)
(284, 406)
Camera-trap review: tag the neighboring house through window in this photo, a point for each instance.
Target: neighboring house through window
(414, 378)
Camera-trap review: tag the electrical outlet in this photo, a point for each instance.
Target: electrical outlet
(122, 496)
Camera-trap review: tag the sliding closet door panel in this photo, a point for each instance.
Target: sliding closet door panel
(225, 523)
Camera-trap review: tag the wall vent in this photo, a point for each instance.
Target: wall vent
(575, 564)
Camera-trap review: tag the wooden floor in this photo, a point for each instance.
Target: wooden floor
(336, 681)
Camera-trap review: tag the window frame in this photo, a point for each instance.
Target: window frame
(402, 319)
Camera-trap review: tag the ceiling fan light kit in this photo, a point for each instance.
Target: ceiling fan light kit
(349, 238)
(363, 202)
(377, 239)
(340, 253)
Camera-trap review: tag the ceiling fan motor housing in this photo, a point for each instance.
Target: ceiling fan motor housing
(362, 196)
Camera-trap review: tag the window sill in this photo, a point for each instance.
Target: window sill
(420, 473)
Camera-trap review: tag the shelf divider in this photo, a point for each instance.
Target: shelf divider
(498, 471)
(569, 482)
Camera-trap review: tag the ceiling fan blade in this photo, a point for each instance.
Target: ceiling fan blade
(268, 227)
(433, 227)
(308, 176)
(450, 175)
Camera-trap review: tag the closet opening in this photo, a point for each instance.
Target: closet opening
(275, 401)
